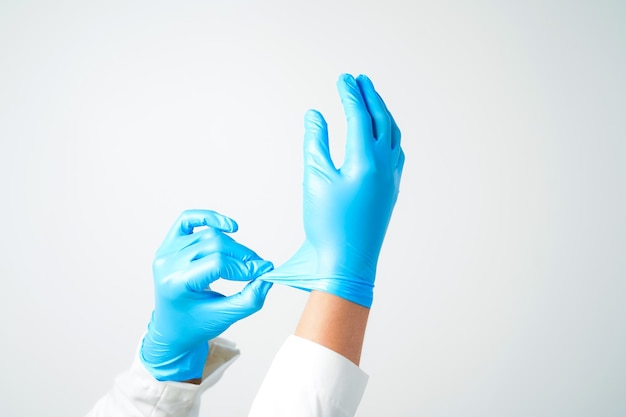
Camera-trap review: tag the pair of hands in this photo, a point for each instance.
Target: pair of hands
(346, 213)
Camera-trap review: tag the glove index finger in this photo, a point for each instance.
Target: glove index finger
(204, 271)
(190, 219)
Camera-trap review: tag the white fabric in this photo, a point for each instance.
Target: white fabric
(309, 380)
(137, 394)
(305, 380)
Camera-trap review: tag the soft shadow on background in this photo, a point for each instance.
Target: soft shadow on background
(501, 284)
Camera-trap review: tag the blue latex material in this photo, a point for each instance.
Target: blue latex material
(187, 313)
(346, 210)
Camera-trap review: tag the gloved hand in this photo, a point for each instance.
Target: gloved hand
(346, 210)
(187, 313)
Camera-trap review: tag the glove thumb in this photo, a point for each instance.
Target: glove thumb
(249, 300)
(316, 152)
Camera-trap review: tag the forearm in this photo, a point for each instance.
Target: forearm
(335, 323)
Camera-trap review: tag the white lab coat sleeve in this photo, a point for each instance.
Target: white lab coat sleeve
(137, 394)
(309, 380)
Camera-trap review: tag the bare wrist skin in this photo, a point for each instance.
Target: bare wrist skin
(195, 381)
(335, 323)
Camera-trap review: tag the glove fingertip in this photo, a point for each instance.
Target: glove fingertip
(254, 293)
(219, 221)
(259, 267)
(364, 81)
(262, 287)
(314, 120)
(230, 226)
(346, 78)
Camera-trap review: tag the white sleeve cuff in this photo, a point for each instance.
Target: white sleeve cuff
(137, 393)
(307, 379)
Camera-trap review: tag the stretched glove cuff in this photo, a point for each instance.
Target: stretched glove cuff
(308, 270)
(348, 288)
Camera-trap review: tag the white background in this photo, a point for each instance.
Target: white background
(501, 287)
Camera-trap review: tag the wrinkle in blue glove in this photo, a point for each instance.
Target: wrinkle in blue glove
(346, 210)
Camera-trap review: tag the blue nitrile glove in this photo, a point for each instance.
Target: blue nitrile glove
(346, 210)
(187, 313)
